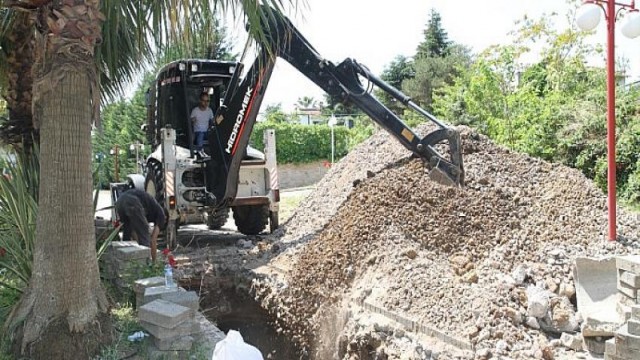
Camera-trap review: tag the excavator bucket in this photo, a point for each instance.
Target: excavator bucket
(442, 170)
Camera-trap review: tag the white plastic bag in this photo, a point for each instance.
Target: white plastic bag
(233, 347)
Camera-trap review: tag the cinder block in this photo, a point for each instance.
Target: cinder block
(132, 252)
(633, 326)
(139, 286)
(610, 346)
(156, 292)
(188, 299)
(186, 328)
(629, 278)
(629, 263)
(635, 312)
(163, 313)
(180, 344)
(624, 340)
(628, 291)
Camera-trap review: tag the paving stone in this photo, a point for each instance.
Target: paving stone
(140, 285)
(156, 292)
(629, 278)
(189, 299)
(183, 343)
(635, 312)
(132, 252)
(633, 326)
(629, 263)
(163, 313)
(626, 340)
(628, 291)
(188, 327)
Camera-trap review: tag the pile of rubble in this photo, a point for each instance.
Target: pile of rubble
(466, 263)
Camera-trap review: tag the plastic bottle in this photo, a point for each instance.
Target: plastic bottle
(168, 277)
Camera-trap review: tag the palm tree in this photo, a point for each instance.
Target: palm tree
(63, 311)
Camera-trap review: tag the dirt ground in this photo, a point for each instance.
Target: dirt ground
(379, 262)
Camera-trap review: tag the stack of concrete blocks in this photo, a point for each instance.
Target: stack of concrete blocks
(629, 279)
(625, 345)
(123, 260)
(167, 313)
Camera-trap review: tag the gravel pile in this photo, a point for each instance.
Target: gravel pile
(464, 261)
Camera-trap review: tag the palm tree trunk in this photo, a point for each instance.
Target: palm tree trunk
(20, 47)
(63, 313)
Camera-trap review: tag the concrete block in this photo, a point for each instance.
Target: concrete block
(156, 292)
(163, 313)
(629, 263)
(573, 342)
(629, 278)
(188, 327)
(613, 357)
(183, 343)
(188, 299)
(633, 326)
(597, 295)
(610, 346)
(132, 252)
(140, 285)
(627, 290)
(595, 345)
(624, 340)
(592, 327)
(635, 312)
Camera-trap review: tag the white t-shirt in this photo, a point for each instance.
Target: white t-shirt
(203, 117)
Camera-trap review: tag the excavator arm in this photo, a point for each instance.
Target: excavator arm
(237, 115)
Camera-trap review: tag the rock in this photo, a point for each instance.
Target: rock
(483, 354)
(573, 342)
(519, 274)
(470, 278)
(532, 322)
(567, 290)
(538, 302)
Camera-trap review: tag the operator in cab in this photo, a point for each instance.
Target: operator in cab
(201, 117)
(136, 209)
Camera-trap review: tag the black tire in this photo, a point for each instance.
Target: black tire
(154, 181)
(251, 220)
(274, 222)
(217, 218)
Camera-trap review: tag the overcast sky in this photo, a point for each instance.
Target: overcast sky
(375, 32)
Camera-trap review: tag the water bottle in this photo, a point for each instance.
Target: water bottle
(168, 276)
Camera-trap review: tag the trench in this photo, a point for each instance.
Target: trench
(230, 306)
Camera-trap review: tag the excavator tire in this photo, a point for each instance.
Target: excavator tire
(217, 218)
(251, 220)
(154, 181)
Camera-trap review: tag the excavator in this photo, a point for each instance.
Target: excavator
(182, 181)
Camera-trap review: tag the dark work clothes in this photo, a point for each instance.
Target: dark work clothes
(136, 209)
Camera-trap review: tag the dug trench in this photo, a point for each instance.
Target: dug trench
(379, 262)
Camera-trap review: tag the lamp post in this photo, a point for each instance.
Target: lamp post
(115, 151)
(332, 123)
(588, 18)
(137, 147)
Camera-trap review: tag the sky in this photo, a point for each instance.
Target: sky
(375, 32)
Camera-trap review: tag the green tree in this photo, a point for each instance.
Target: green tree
(436, 42)
(63, 310)
(274, 114)
(399, 70)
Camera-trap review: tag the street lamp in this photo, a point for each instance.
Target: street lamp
(137, 147)
(587, 19)
(116, 151)
(332, 123)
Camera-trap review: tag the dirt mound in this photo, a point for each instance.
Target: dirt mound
(458, 260)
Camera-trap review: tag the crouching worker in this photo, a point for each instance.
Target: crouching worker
(136, 209)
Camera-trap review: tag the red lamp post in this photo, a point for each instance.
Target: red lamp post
(588, 20)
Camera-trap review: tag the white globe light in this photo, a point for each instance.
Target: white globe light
(588, 17)
(631, 27)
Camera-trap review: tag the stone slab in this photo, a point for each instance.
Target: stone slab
(156, 292)
(597, 295)
(186, 328)
(635, 312)
(629, 278)
(188, 299)
(163, 313)
(629, 263)
(633, 326)
(140, 285)
(136, 252)
(626, 340)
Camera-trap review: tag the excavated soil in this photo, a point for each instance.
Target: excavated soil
(378, 232)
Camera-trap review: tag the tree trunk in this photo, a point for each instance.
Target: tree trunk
(63, 313)
(19, 130)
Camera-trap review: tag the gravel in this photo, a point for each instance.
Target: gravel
(377, 232)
